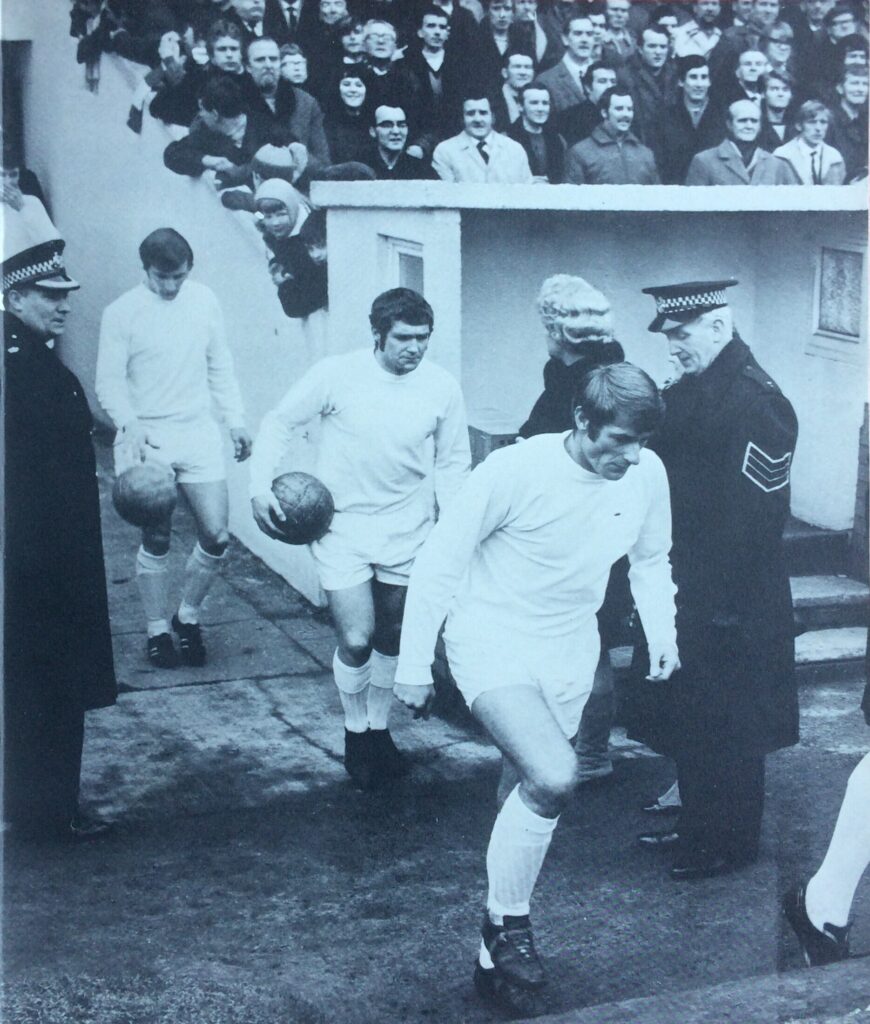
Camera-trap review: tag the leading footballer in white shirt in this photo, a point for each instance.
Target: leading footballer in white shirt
(519, 565)
(393, 451)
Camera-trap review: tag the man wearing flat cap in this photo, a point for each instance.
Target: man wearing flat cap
(58, 649)
(727, 443)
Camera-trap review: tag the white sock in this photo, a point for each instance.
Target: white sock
(517, 847)
(380, 695)
(831, 890)
(199, 574)
(352, 685)
(152, 578)
(484, 958)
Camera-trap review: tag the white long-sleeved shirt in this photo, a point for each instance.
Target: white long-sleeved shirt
(166, 359)
(521, 559)
(388, 442)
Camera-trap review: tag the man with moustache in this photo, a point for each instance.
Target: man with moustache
(612, 155)
(565, 79)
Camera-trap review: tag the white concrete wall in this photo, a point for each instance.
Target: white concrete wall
(828, 395)
(773, 255)
(360, 268)
(108, 188)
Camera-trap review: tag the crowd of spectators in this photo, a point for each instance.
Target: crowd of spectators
(503, 91)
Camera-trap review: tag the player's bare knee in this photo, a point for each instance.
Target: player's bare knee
(354, 646)
(553, 781)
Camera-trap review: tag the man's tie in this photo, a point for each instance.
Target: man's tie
(817, 175)
(481, 148)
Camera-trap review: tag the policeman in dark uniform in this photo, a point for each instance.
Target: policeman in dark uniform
(727, 443)
(57, 644)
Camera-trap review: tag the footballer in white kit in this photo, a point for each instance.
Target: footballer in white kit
(393, 451)
(163, 359)
(518, 566)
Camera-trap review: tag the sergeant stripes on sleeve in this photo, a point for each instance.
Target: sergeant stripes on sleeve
(765, 471)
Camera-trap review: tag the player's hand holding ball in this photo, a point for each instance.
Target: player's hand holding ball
(266, 511)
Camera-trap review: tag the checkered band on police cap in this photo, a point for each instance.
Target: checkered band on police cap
(683, 302)
(39, 264)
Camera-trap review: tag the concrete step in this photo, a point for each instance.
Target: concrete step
(831, 655)
(810, 549)
(822, 602)
(821, 655)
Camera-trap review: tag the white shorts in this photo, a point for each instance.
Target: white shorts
(194, 451)
(479, 666)
(359, 548)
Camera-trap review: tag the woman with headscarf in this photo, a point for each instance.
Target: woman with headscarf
(297, 263)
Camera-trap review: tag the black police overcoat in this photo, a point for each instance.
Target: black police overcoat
(57, 642)
(727, 443)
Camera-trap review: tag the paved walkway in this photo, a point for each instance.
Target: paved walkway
(250, 883)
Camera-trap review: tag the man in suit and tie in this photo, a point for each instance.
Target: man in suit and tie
(808, 155)
(565, 80)
(477, 153)
(517, 71)
(739, 160)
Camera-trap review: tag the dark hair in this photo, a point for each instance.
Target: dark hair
(657, 29)
(222, 29)
(598, 65)
(608, 94)
(479, 93)
(291, 50)
(399, 304)
(850, 43)
(431, 11)
(581, 15)
(859, 71)
(512, 52)
(663, 11)
(619, 391)
(837, 11)
(347, 25)
(166, 250)
(534, 86)
(223, 96)
(687, 64)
